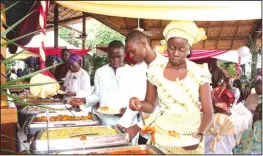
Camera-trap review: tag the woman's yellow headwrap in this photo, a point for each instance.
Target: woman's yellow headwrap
(183, 29)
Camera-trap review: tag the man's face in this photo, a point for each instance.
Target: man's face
(65, 57)
(116, 57)
(74, 67)
(259, 88)
(136, 49)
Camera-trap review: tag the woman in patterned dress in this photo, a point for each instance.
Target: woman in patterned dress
(180, 85)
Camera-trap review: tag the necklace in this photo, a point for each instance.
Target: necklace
(177, 79)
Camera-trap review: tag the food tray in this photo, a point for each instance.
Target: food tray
(59, 145)
(152, 150)
(29, 111)
(31, 127)
(44, 101)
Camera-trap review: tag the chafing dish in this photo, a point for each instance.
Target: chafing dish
(30, 127)
(39, 146)
(29, 111)
(133, 150)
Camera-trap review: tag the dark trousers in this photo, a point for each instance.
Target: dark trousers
(142, 140)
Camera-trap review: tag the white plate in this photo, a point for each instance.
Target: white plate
(110, 111)
(172, 141)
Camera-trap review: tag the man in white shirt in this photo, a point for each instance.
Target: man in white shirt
(140, 50)
(77, 80)
(113, 87)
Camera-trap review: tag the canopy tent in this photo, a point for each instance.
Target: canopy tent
(33, 47)
(171, 10)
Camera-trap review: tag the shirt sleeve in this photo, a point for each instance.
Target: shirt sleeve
(151, 75)
(66, 79)
(205, 74)
(128, 118)
(95, 97)
(84, 85)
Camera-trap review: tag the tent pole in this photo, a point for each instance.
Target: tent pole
(56, 25)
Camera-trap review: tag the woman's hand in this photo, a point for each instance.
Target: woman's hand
(135, 104)
(193, 147)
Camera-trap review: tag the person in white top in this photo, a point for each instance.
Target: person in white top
(77, 80)
(113, 84)
(140, 50)
(13, 75)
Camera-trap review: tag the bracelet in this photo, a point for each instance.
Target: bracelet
(201, 136)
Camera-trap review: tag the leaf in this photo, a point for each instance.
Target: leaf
(7, 150)
(4, 10)
(14, 25)
(22, 86)
(18, 38)
(2, 135)
(11, 57)
(30, 75)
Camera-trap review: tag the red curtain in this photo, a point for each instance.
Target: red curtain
(30, 24)
(203, 54)
(57, 51)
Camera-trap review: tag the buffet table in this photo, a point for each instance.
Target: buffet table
(73, 131)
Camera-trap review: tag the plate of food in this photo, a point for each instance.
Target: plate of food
(107, 110)
(176, 139)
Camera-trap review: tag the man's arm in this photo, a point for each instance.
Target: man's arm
(85, 86)
(95, 97)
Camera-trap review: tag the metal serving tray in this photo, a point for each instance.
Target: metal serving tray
(152, 150)
(30, 127)
(25, 113)
(59, 145)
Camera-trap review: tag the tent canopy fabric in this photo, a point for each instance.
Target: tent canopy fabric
(171, 10)
(57, 51)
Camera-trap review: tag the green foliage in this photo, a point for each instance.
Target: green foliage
(255, 51)
(92, 63)
(230, 68)
(97, 34)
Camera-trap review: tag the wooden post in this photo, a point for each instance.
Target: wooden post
(8, 115)
(3, 56)
(83, 31)
(56, 26)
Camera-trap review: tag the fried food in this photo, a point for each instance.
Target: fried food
(128, 152)
(65, 133)
(63, 118)
(174, 134)
(104, 108)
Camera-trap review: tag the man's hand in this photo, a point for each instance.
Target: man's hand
(122, 111)
(132, 131)
(77, 101)
(135, 104)
(71, 94)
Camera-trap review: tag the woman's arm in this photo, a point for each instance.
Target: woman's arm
(208, 113)
(148, 104)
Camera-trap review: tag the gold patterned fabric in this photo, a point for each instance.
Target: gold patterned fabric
(179, 105)
(226, 128)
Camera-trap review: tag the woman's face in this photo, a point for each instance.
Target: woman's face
(178, 49)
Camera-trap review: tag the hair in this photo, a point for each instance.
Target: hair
(13, 71)
(136, 35)
(237, 84)
(63, 51)
(116, 44)
(216, 71)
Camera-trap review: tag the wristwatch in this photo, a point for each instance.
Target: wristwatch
(200, 136)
